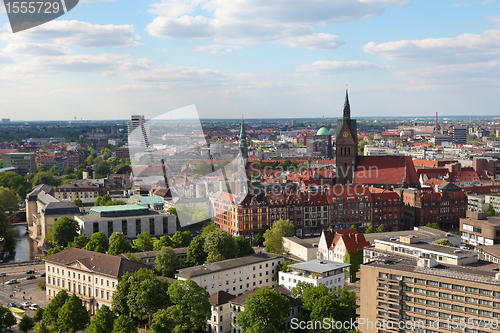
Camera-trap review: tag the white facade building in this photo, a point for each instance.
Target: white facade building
(315, 272)
(235, 276)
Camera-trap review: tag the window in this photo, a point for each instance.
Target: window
(107, 295)
(457, 287)
(444, 285)
(472, 290)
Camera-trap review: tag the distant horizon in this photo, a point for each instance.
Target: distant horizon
(264, 119)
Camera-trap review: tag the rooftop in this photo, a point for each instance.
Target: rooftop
(464, 273)
(422, 232)
(223, 265)
(319, 266)
(448, 250)
(96, 262)
(305, 242)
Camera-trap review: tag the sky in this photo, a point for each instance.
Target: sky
(109, 59)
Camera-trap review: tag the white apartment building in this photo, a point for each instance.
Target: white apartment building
(315, 272)
(235, 276)
(220, 319)
(92, 276)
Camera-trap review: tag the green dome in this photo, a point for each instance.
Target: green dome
(323, 131)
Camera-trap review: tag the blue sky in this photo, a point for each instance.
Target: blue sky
(274, 59)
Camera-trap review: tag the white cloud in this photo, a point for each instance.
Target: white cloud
(319, 41)
(105, 63)
(174, 8)
(5, 59)
(184, 27)
(461, 49)
(287, 22)
(31, 49)
(217, 49)
(182, 76)
(328, 67)
(494, 19)
(77, 33)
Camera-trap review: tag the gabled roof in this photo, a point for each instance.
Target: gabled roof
(352, 242)
(220, 297)
(96, 262)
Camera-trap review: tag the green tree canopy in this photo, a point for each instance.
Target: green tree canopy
(162, 322)
(191, 308)
(139, 293)
(265, 311)
(369, 230)
(63, 231)
(42, 328)
(119, 244)
(244, 247)
(9, 320)
(26, 324)
(220, 245)
(38, 314)
(208, 229)
(380, 228)
(164, 240)
(8, 199)
(97, 239)
(124, 324)
(167, 262)
(196, 254)
(274, 236)
(73, 316)
(144, 241)
(45, 178)
(78, 202)
(51, 313)
(181, 239)
(443, 241)
(490, 211)
(433, 225)
(103, 321)
(79, 241)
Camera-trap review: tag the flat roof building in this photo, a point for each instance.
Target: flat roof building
(24, 162)
(235, 276)
(419, 295)
(480, 229)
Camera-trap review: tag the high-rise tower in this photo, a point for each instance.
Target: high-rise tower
(346, 145)
(138, 132)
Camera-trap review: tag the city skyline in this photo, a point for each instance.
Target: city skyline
(107, 59)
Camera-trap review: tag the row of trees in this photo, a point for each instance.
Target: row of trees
(178, 307)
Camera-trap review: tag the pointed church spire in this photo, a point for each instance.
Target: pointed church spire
(242, 130)
(347, 107)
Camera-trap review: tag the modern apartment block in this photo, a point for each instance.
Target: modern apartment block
(24, 162)
(410, 246)
(138, 131)
(316, 272)
(480, 229)
(419, 295)
(235, 276)
(131, 220)
(92, 276)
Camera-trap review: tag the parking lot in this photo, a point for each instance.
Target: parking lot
(23, 291)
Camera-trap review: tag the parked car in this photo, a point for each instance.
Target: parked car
(25, 304)
(12, 305)
(33, 307)
(31, 277)
(30, 272)
(13, 281)
(3, 274)
(42, 274)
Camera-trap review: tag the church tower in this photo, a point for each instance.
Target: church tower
(346, 145)
(243, 147)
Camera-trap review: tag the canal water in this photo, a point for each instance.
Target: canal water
(25, 247)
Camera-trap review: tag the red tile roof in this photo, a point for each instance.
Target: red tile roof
(385, 170)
